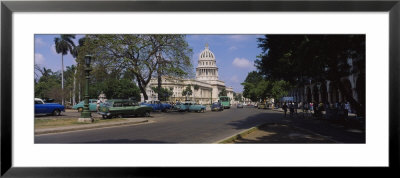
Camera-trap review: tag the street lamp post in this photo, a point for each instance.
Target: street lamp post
(86, 116)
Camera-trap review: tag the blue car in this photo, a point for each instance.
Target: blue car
(158, 106)
(92, 105)
(217, 106)
(48, 108)
(190, 106)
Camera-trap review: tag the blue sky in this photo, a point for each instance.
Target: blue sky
(235, 54)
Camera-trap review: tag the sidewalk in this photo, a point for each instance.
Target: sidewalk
(303, 130)
(129, 121)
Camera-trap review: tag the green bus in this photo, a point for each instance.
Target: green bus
(225, 101)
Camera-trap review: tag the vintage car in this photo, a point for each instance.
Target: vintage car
(217, 106)
(157, 105)
(261, 105)
(121, 108)
(190, 106)
(92, 105)
(48, 108)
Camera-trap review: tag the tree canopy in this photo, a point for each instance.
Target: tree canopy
(143, 56)
(301, 59)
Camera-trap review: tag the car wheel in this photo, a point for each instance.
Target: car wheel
(104, 117)
(56, 112)
(80, 109)
(147, 114)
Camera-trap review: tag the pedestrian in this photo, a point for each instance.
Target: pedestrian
(98, 105)
(284, 107)
(291, 109)
(296, 106)
(348, 107)
(311, 107)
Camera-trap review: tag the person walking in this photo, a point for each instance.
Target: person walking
(296, 106)
(98, 105)
(291, 109)
(284, 107)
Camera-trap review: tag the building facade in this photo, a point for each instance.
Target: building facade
(205, 87)
(328, 92)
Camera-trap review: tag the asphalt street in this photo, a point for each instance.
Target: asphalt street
(191, 127)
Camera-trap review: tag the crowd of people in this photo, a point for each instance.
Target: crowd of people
(315, 109)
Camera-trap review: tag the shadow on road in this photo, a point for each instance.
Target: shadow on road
(349, 131)
(258, 119)
(281, 134)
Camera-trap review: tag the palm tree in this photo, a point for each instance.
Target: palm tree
(64, 44)
(74, 54)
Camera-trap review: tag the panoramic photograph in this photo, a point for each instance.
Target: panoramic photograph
(199, 88)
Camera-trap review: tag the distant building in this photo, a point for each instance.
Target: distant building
(206, 86)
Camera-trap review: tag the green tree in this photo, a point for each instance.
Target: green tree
(280, 89)
(48, 85)
(143, 55)
(300, 59)
(77, 75)
(63, 45)
(187, 91)
(116, 89)
(238, 97)
(222, 92)
(163, 93)
(250, 84)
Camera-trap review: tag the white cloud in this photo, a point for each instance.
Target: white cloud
(53, 49)
(39, 42)
(235, 79)
(39, 58)
(238, 37)
(232, 48)
(242, 63)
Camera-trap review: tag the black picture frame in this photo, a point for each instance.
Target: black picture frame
(8, 7)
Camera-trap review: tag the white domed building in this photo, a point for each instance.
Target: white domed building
(206, 86)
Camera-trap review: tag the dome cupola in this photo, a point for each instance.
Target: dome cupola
(207, 69)
(206, 54)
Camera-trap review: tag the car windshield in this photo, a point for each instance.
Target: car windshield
(224, 98)
(107, 104)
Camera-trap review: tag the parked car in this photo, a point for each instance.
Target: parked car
(261, 105)
(158, 106)
(239, 105)
(190, 106)
(48, 108)
(92, 105)
(217, 106)
(121, 108)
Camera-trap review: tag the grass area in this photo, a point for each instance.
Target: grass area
(51, 123)
(239, 136)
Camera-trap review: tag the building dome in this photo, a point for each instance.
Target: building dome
(206, 54)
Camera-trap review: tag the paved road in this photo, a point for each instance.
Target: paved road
(174, 127)
(208, 127)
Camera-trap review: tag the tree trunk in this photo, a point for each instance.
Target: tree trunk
(79, 92)
(142, 89)
(159, 84)
(62, 79)
(360, 109)
(74, 89)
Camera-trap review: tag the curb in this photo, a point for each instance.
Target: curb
(58, 130)
(239, 135)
